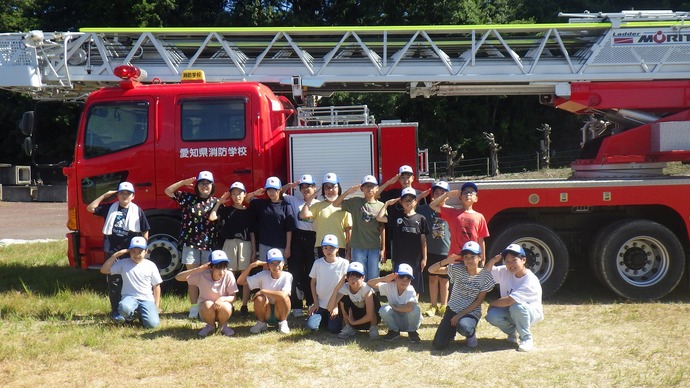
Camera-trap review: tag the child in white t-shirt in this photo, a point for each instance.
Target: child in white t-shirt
(402, 312)
(325, 275)
(217, 289)
(272, 301)
(357, 302)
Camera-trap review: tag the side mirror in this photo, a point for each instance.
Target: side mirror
(27, 123)
(28, 146)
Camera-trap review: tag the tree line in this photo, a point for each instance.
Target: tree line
(457, 121)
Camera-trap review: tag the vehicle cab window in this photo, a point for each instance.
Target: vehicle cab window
(115, 126)
(213, 119)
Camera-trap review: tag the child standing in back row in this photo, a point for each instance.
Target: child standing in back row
(198, 234)
(465, 224)
(409, 230)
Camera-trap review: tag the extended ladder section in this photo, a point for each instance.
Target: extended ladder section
(422, 60)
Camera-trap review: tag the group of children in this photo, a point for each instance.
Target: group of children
(353, 235)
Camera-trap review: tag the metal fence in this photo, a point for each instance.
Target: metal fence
(506, 164)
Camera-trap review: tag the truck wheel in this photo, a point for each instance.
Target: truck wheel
(547, 254)
(595, 251)
(641, 259)
(163, 246)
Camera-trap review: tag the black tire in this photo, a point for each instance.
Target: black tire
(547, 254)
(163, 246)
(595, 252)
(641, 259)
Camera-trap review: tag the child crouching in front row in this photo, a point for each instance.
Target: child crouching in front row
(470, 286)
(357, 302)
(217, 289)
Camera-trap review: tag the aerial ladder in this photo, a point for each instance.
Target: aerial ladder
(628, 69)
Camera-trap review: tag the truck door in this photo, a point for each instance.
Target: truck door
(214, 136)
(116, 145)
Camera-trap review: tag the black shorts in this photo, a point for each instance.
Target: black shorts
(431, 259)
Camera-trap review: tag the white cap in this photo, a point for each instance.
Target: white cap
(471, 246)
(217, 257)
(273, 183)
(205, 175)
(355, 267)
(441, 184)
(238, 185)
(329, 240)
(330, 178)
(405, 269)
(408, 191)
(274, 254)
(369, 179)
(405, 169)
(306, 179)
(138, 242)
(125, 186)
(515, 249)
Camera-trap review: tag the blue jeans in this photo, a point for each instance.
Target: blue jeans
(370, 259)
(517, 317)
(148, 312)
(398, 321)
(322, 319)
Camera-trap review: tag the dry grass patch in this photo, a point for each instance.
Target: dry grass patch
(589, 338)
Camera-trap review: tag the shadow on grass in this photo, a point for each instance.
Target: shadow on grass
(47, 280)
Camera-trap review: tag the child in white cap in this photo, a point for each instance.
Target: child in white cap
(301, 256)
(519, 306)
(367, 241)
(237, 225)
(402, 312)
(272, 301)
(357, 302)
(198, 234)
(217, 289)
(325, 275)
(141, 283)
(470, 286)
(124, 220)
(407, 233)
(275, 218)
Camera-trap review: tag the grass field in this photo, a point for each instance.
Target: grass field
(55, 332)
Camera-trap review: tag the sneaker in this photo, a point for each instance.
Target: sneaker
(442, 310)
(347, 332)
(472, 341)
(526, 346)
(227, 331)
(244, 311)
(391, 335)
(258, 328)
(414, 337)
(283, 327)
(297, 313)
(513, 337)
(207, 330)
(116, 317)
(430, 312)
(194, 311)
(374, 332)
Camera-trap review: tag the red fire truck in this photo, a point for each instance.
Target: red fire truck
(618, 211)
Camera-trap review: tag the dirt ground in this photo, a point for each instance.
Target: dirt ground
(33, 220)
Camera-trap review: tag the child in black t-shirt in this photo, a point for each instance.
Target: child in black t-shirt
(408, 237)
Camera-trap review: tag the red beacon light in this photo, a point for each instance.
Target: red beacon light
(130, 75)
